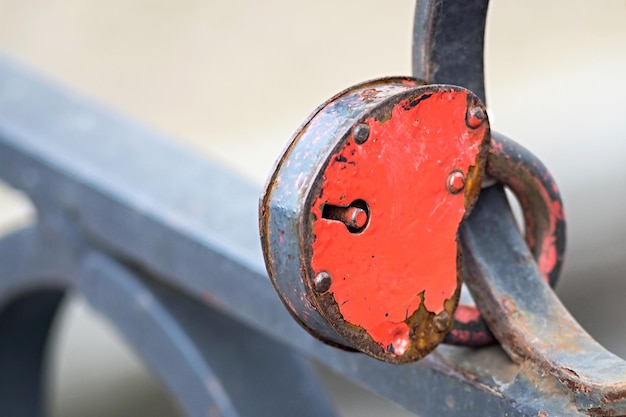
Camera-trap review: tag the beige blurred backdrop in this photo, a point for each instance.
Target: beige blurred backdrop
(233, 80)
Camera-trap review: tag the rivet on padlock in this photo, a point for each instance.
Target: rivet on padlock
(359, 219)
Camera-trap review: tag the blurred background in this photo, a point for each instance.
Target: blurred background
(233, 80)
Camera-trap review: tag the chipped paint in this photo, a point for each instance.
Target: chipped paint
(409, 246)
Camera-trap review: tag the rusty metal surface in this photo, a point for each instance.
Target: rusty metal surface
(400, 156)
(538, 194)
(343, 172)
(527, 317)
(287, 188)
(509, 288)
(524, 174)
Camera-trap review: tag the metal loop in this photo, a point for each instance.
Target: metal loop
(524, 174)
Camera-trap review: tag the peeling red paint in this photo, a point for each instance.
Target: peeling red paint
(408, 249)
(548, 258)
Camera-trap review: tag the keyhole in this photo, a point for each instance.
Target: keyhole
(356, 216)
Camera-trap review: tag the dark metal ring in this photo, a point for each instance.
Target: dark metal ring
(526, 176)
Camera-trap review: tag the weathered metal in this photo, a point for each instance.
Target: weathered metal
(538, 194)
(448, 39)
(527, 317)
(399, 154)
(532, 184)
(342, 279)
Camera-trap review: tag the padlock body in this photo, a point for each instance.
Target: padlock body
(359, 221)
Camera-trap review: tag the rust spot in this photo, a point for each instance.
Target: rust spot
(369, 94)
(475, 117)
(441, 321)
(600, 412)
(509, 305)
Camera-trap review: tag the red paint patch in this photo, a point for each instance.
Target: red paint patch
(548, 257)
(466, 314)
(408, 249)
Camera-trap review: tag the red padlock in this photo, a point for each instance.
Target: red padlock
(359, 220)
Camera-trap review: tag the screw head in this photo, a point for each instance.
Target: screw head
(455, 182)
(361, 133)
(355, 217)
(441, 321)
(475, 117)
(322, 282)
